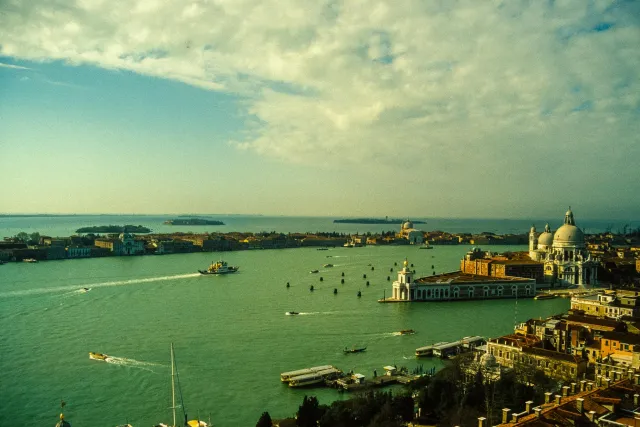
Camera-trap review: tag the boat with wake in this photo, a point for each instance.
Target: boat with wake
(328, 265)
(98, 356)
(292, 313)
(407, 332)
(220, 267)
(354, 350)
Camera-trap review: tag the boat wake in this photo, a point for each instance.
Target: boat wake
(76, 289)
(123, 361)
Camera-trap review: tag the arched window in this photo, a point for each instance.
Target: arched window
(500, 289)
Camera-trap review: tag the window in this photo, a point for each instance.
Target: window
(606, 342)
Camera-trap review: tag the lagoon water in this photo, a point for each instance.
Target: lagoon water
(231, 335)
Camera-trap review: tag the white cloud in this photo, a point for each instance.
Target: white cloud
(452, 86)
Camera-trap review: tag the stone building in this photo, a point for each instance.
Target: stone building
(611, 305)
(564, 254)
(483, 263)
(412, 235)
(125, 244)
(457, 286)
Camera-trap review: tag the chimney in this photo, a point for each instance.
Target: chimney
(528, 404)
(580, 404)
(505, 415)
(636, 378)
(615, 375)
(583, 384)
(608, 381)
(547, 397)
(516, 417)
(482, 422)
(635, 399)
(590, 385)
(599, 380)
(558, 399)
(573, 388)
(565, 391)
(538, 411)
(591, 415)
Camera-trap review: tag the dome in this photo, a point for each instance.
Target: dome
(407, 224)
(488, 361)
(545, 239)
(568, 235)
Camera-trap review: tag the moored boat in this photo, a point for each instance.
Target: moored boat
(285, 377)
(545, 296)
(354, 350)
(220, 267)
(315, 377)
(98, 356)
(313, 271)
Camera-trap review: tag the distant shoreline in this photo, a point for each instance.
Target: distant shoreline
(392, 221)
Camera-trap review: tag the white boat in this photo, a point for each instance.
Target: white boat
(286, 376)
(29, 260)
(220, 267)
(328, 265)
(314, 378)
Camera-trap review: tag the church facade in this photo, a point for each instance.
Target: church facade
(414, 236)
(564, 254)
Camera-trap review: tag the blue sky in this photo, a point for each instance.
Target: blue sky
(423, 108)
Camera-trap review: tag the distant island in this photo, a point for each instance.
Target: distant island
(374, 221)
(114, 229)
(193, 221)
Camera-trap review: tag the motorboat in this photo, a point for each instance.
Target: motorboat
(354, 350)
(98, 356)
(407, 332)
(328, 265)
(292, 313)
(84, 290)
(29, 260)
(220, 267)
(545, 296)
(313, 271)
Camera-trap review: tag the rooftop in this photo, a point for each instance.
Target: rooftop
(458, 277)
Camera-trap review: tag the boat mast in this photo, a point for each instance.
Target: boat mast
(173, 388)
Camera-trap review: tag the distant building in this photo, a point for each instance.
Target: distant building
(78, 251)
(414, 236)
(125, 244)
(564, 254)
(612, 305)
(486, 264)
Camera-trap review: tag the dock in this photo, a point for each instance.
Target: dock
(448, 349)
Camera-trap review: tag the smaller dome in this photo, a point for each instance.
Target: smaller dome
(407, 224)
(545, 239)
(488, 361)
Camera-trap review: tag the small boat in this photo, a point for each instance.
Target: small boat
(220, 267)
(29, 260)
(545, 296)
(323, 249)
(407, 332)
(354, 350)
(313, 271)
(292, 313)
(83, 290)
(328, 265)
(98, 356)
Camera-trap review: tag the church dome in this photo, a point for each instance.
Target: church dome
(568, 235)
(407, 224)
(488, 361)
(545, 238)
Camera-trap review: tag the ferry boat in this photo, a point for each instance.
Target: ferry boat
(285, 377)
(220, 267)
(314, 378)
(98, 356)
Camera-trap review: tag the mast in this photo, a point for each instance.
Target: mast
(173, 388)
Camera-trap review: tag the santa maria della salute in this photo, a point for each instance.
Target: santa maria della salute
(564, 254)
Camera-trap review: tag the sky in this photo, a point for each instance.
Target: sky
(411, 108)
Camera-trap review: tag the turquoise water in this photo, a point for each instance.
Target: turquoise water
(231, 335)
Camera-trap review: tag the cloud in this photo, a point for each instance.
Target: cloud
(430, 85)
(15, 67)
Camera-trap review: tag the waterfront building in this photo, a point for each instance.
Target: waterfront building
(125, 244)
(612, 305)
(483, 263)
(76, 251)
(457, 286)
(525, 352)
(409, 233)
(564, 254)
